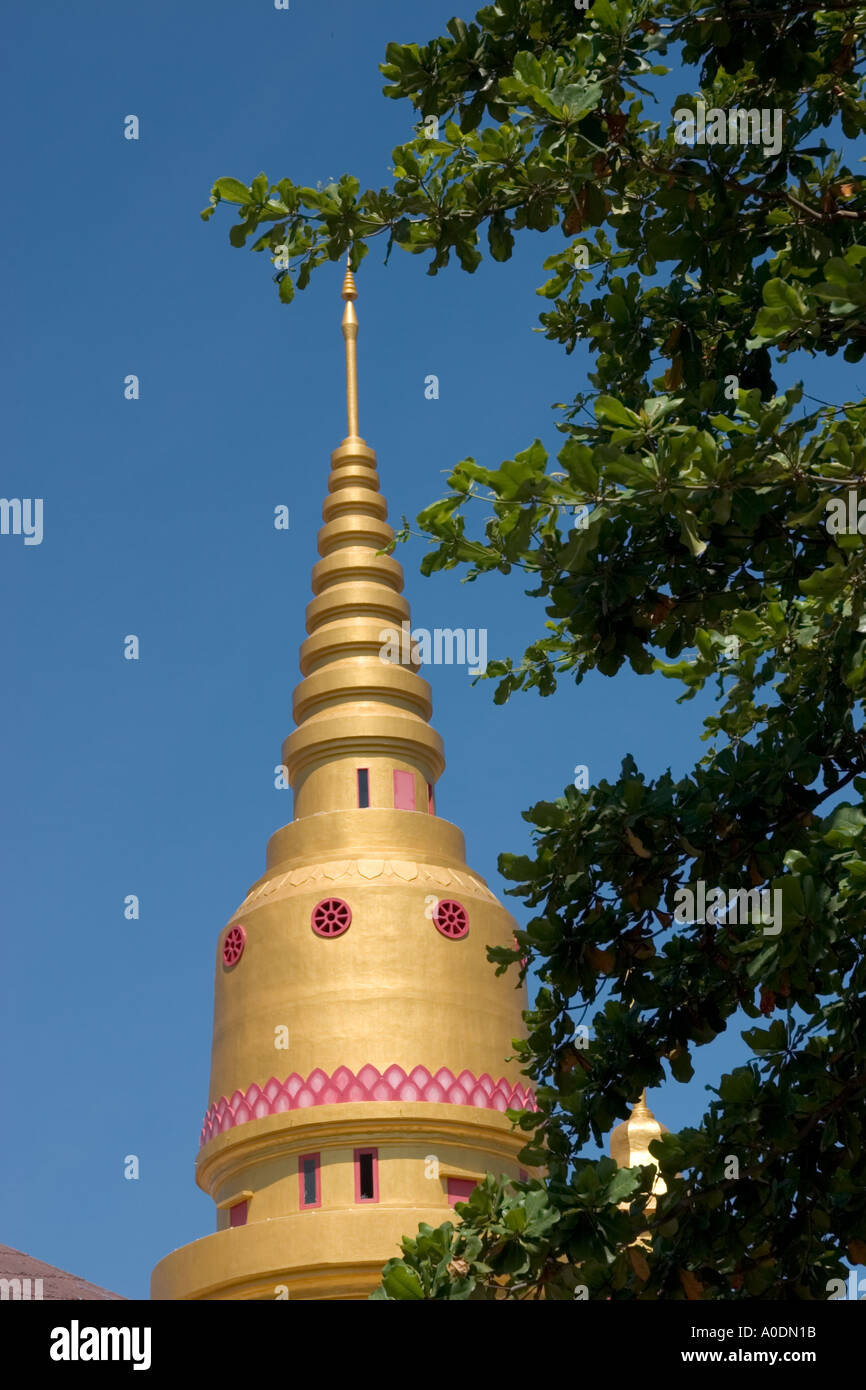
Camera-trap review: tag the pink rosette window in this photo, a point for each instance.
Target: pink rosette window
(451, 919)
(331, 917)
(233, 946)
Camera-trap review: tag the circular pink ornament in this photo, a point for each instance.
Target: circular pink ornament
(233, 946)
(451, 919)
(331, 917)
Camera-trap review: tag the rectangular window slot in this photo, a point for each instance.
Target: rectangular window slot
(363, 786)
(309, 1181)
(238, 1214)
(460, 1190)
(366, 1175)
(431, 800)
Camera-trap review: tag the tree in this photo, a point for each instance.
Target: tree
(719, 539)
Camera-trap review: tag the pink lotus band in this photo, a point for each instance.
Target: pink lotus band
(296, 1093)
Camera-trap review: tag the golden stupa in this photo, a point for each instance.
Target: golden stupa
(360, 1071)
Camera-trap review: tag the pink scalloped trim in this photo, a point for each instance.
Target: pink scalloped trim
(296, 1093)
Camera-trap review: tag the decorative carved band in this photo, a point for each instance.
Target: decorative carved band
(363, 871)
(296, 1093)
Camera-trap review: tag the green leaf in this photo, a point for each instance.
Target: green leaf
(231, 191)
(738, 1086)
(500, 237)
(239, 233)
(681, 1064)
(778, 294)
(528, 70)
(605, 15)
(402, 1283)
(515, 1219)
(689, 533)
(578, 98)
(784, 312)
(609, 411)
(705, 646)
(772, 1039)
(623, 1185)
(746, 625)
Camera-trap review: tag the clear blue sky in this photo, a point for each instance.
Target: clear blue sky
(156, 777)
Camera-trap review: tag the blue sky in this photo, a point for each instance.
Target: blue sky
(156, 777)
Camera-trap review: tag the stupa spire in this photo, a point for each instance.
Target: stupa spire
(350, 333)
(361, 703)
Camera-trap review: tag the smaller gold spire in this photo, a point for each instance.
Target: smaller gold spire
(630, 1141)
(350, 333)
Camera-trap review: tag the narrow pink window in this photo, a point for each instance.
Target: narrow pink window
(460, 1190)
(309, 1181)
(238, 1214)
(366, 1175)
(431, 799)
(404, 791)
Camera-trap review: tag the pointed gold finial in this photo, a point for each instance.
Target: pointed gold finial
(350, 333)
